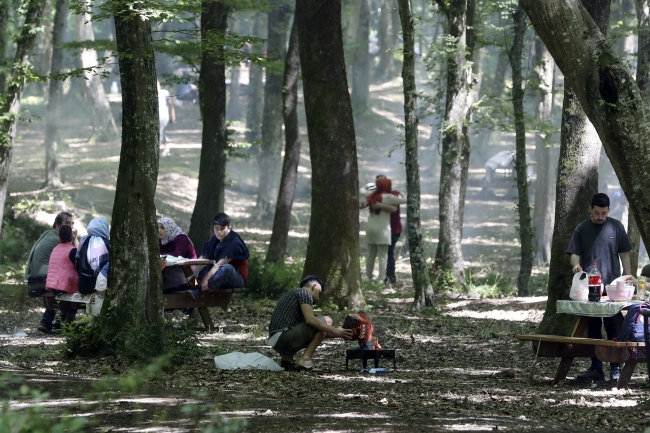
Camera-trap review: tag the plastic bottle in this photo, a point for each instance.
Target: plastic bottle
(595, 283)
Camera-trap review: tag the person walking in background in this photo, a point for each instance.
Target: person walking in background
(600, 240)
(37, 267)
(381, 203)
(166, 114)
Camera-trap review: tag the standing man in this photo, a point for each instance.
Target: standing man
(600, 240)
(294, 326)
(166, 114)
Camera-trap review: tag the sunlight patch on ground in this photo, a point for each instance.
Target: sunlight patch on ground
(32, 341)
(470, 427)
(389, 115)
(353, 395)
(401, 300)
(514, 316)
(610, 402)
(353, 415)
(485, 224)
(477, 240)
(365, 378)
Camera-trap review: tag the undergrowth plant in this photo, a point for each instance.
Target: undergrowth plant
(272, 279)
(489, 284)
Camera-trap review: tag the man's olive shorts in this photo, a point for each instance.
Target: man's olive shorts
(296, 338)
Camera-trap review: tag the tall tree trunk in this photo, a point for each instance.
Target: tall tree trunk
(643, 81)
(353, 10)
(135, 298)
(212, 91)
(104, 127)
(255, 90)
(282, 220)
(521, 166)
(419, 270)
(52, 174)
(271, 146)
(4, 38)
(335, 259)
(577, 182)
(233, 111)
(455, 145)
(10, 107)
(46, 50)
(386, 67)
(544, 207)
(361, 59)
(494, 90)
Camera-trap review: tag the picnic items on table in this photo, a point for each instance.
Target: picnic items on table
(595, 284)
(579, 287)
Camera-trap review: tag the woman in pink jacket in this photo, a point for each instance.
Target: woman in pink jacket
(61, 273)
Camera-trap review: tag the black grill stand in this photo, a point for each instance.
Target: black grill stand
(364, 355)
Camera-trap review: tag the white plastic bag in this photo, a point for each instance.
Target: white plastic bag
(234, 360)
(579, 287)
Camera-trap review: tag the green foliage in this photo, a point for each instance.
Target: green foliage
(538, 285)
(443, 280)
(272, 279)
(489, 284)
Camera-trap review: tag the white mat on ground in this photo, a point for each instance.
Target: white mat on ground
(235, 360)
(17, 333)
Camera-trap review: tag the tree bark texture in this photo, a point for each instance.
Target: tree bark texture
(255, 90)
(4, 34)
(361, 59)
(212, 88)
(353, 11)
(10, 106)
(52, 173)
(135, 280)
(233, 111)
(643, 59)
(610, 96)
(335, 259)
(544, 207)
(104, 127)
(424, 295)
(270, 156)
(521, 166)
(577, 182)
(45, 55)
(386, 67)
(282, 219)
(455, 145)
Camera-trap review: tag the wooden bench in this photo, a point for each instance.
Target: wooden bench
(567, 348)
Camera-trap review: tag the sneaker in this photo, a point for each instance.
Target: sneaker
(56, 328)
(44, 328)
(591, 374)
(615, 374)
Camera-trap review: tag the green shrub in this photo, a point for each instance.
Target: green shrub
(272, 279)
(538, 285)
(19, 233)
(489, 284)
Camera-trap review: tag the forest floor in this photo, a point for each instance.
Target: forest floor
(459, 366)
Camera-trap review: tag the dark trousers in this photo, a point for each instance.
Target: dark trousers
(594, 330)
(226, 277)
(390, 263)
(68, 312)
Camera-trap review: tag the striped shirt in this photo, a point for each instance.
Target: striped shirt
(287, 313)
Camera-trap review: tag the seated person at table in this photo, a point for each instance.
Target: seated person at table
(37, 266)
(230, 254)
(174, 242)
(61, 274)
(92, 254)
(294, 327)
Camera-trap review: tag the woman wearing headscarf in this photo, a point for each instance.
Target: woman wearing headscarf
(381, 204)
(92, 254)
(173, 242)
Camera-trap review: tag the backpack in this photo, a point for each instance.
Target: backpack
(632, 329)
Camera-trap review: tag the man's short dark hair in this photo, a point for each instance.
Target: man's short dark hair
(379, 175)
(61, 218)
(600, 200)
(645, 272)
(65, 233)
(221, 219)
(312, 279)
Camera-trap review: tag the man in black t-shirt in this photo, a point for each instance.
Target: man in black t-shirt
(603, 241)
(294, 327)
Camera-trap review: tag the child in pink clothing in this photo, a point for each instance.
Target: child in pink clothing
(61, 273)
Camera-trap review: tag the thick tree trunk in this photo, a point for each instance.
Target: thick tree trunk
(135, 296)
(386, 67)
(521, 166)
(335, 259)
(10, 108)
(577, 182)
(104, 125)
(361, 59)
(233, 112)
(544, 207)
(282, 220)
(271, 146)
(255, 91)
(212, 91)
(609, 95)
(455, 146)
(52, 173)
(419, 269)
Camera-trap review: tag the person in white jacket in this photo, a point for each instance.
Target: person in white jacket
(381, 204)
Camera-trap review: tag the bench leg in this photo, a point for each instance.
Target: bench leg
(580, 327)
(626, 374)
(207, 320)
(562, 371)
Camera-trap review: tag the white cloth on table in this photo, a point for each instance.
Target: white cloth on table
(593, 309)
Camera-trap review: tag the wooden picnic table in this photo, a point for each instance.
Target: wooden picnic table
(576, 346)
